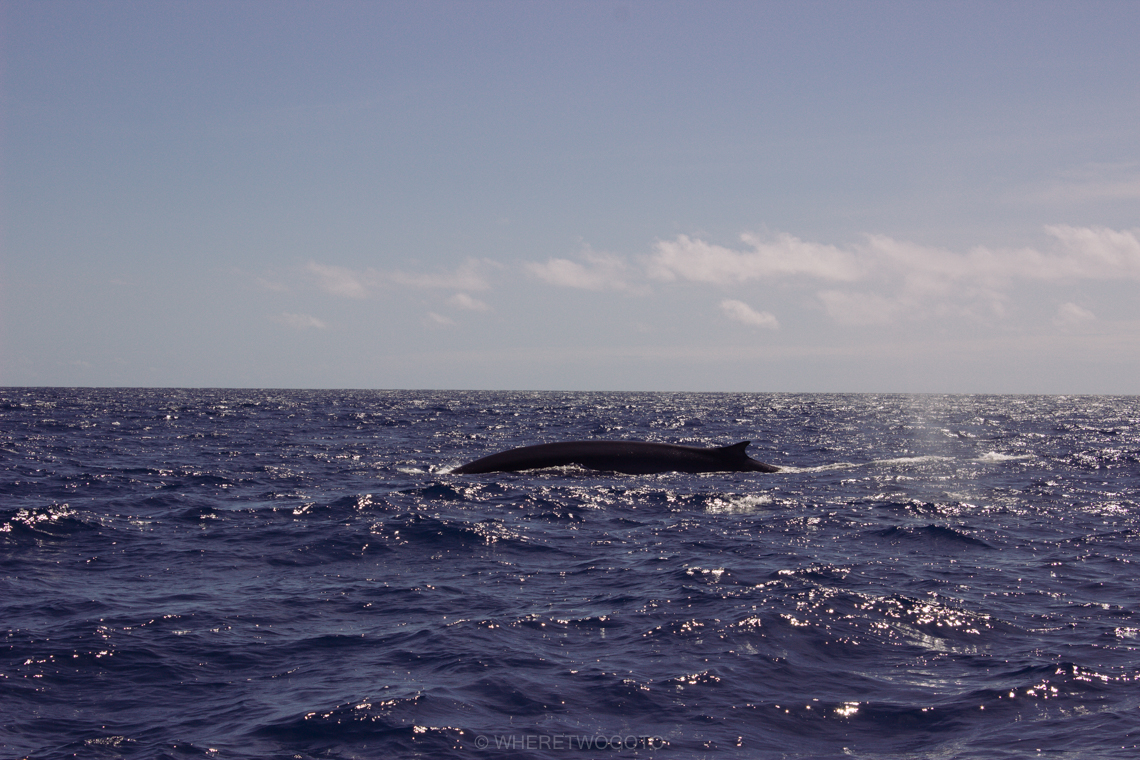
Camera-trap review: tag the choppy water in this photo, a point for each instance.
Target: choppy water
(294, 574)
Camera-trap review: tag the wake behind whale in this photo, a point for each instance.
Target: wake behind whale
(627, 457)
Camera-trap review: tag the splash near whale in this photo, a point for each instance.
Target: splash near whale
(627, 457)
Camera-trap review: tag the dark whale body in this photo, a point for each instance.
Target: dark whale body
(629, 457)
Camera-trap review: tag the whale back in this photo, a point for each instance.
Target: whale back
(629, 457)
(736, 454)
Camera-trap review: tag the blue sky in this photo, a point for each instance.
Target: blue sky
(859, 196)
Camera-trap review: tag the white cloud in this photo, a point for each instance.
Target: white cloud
(860, 308)
(439, 320)
(597, 271)
(698, 261)
(1094, 183)
(741, 312)
(1086, 192)
(350, 283)
(339, 281)
(1084, 252)
(882, 280)
(1071, 315)
(879, 280)
(1098, 252)
(299, 321)
(273, 285)
(464, 301)
(466, 277)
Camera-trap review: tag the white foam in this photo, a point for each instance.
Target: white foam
(873, 463)
(821, 467)
(739, 505)
(914, 460)
(995, 456)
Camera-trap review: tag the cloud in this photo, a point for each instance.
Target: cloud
(351, 283)
(464, 301)
(596, 271)
(879, 280)
(339, 281)
(273, 285)
(698, 261)
(299, 321)
(1090, 191)
(1098, 252)
(1071, 315)
(1094, 183)
(1084, 252)
(466, 277)
(439, 320)
(739, 311)
(882, 280)
(860, 308)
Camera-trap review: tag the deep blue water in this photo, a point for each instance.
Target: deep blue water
(295, 574)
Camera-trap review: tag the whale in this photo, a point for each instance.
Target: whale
(626, 457)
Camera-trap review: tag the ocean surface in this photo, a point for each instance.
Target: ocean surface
(296, 574)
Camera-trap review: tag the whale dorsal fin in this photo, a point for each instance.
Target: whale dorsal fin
(736, 449)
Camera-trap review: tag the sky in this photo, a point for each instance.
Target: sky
(911, 197)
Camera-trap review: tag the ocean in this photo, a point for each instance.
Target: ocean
(297, 574)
